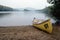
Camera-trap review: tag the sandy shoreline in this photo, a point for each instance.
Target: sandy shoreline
(28, 33)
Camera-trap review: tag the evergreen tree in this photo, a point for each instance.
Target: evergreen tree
(56, 9)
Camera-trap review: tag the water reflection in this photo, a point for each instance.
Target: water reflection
(4, 14)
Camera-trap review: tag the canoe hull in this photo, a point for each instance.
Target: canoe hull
(46, 26)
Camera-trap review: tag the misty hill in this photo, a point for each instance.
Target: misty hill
(5, 8)
(29, 9)
(45, 10)
(26, 9)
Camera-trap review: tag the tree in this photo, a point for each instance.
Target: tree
(56, 8)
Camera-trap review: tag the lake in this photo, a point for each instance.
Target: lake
(19, 18)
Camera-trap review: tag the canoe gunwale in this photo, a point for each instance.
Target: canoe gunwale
(43, 22)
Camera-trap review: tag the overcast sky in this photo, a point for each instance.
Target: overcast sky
(38, 4)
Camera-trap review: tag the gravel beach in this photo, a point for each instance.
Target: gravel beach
(28, 33)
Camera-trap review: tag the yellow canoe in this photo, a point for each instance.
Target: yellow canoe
(46, 26)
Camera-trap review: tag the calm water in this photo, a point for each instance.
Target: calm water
(20, 18)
